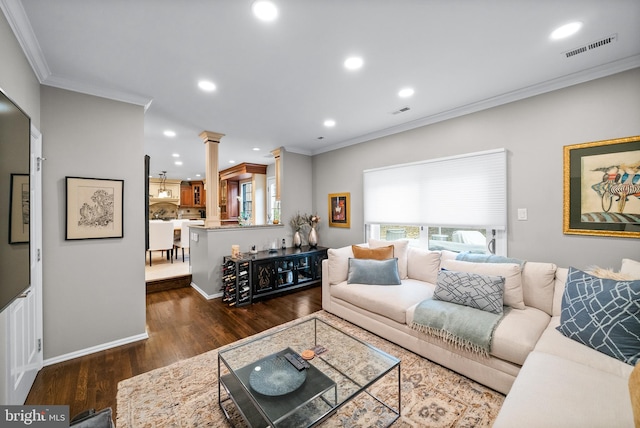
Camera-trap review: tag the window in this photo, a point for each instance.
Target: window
(247, 199)
(456, 203)
(271, 189)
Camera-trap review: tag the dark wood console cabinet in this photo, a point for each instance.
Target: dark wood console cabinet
(274, 273)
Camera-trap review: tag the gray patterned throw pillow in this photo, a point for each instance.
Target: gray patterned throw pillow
(470, 289)
(603, 314)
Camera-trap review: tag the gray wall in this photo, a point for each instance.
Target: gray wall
(534, 132)
(19, 82)
(94, 290)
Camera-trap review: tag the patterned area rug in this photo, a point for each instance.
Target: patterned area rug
(185, 394)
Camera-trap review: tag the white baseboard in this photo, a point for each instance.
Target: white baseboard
(204, 294)
(97, 348)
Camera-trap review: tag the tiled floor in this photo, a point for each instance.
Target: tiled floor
(163, 268)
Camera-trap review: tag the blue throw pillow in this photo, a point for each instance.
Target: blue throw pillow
(603, 314)
(373, 272)
(482, 292)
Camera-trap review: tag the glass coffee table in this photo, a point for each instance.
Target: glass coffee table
(259, 387)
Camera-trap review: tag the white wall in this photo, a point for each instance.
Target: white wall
(534, 132)
(94, 290)
(19, 82)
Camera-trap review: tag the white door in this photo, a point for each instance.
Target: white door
(25, 314)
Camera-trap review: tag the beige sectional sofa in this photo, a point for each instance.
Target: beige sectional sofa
(549, 379)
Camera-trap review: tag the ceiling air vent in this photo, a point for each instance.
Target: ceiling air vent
(593, 45)
(402, 110)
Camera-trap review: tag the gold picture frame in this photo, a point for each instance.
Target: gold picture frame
(602, 188)
(339, 210)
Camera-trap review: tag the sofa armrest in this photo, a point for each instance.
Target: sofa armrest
(326, 286)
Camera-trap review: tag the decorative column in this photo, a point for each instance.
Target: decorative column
(211, 141)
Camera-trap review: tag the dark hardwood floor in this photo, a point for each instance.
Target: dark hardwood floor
(180, 324)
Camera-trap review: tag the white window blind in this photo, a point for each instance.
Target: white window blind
(467, 190)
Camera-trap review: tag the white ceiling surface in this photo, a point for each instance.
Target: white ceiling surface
(277, 82)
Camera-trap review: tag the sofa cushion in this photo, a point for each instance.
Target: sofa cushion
(554, 392)
(538, 281)
(631, 268)
(513, 296)
(518, 333)
(339, 264)
(603, 314)
(373, 272)
(423, 264)
(382, 253)
(554, 342)
(399, 251)
(391, 301)
(482, 292)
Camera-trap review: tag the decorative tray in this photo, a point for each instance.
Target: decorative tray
(276, 376)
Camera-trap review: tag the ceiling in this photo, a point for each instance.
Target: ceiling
(277, 82)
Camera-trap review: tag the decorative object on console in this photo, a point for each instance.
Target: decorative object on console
(313, 234)
(603, 314)
(602, 188)
(298, 222)
(94, 208)
(339, 210)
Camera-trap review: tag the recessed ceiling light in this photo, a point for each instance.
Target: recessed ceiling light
(178, 163)
(175, 155)
(264, 10)
(232, 161)
(566, 30)
(256, 149)
(188, 178)
(198, 175)
(169, 133)
(207, 85)
(353, 63)
(406, 92)
(329, 123)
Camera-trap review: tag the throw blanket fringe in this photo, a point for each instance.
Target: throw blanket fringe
(451, 339)
(462, 327)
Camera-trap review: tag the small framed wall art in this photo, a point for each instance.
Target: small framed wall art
(94, 208)
(602, 188)
(339, 210)
(19, 209)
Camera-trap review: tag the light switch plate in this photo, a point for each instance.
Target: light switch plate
(522, 213)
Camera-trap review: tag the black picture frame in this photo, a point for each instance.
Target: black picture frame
(94, 208)
(602, 188)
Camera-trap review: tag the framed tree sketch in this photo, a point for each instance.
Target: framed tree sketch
(602, 188)
(339, 210)
(19, 209)
(94, 208)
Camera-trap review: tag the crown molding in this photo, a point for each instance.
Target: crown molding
(19, 23)
(517, 95)
(98, 91)
(21, 27)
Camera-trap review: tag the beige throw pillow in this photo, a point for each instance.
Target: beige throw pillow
(630, 268)
(423, 264)
(513, 295)
(399, 251)
(339, 264)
